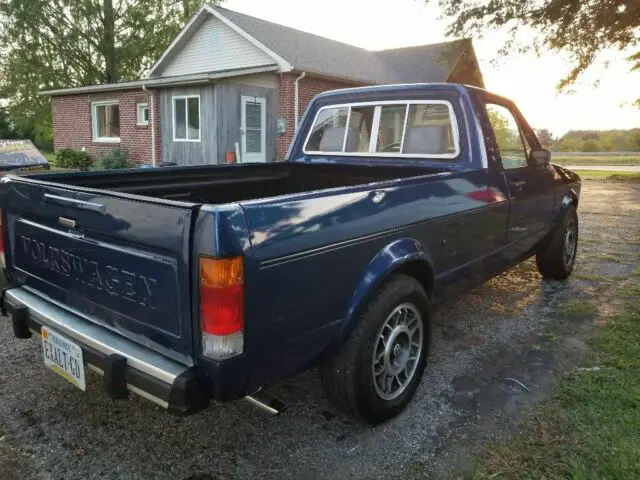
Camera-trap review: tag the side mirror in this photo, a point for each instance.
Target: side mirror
(540, 157)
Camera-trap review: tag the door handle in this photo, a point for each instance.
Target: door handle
(517, 183)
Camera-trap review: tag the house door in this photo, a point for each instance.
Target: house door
(253, 129)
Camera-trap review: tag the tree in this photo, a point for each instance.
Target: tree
(500, 126)
(544, 137)
(584, 29)
(7, 129)
(47, 44)
(635, 140)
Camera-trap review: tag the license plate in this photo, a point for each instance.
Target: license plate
(63, 357)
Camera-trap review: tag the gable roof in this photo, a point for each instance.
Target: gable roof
(293, 49)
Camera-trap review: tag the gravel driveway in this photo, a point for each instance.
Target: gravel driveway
(508, 328)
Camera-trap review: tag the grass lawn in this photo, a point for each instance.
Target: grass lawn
(591, 427)
(614, 176)
(50, 156)
(586, 160)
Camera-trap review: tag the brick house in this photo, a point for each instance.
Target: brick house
(234, 86)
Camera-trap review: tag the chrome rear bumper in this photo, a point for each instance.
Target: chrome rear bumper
(125, 365)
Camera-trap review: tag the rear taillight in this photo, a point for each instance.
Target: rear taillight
(222, 307)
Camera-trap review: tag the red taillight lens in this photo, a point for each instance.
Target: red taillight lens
(222, 306)
(222, 309)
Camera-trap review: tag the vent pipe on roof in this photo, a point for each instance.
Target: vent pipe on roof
(297, 99)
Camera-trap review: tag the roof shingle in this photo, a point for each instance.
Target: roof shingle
(320, 55)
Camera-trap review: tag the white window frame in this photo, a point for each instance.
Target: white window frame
(376, 126)
(140, 107)
(94, 121)
(186, 119)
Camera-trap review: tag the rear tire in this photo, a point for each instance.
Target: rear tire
(556, 259)
(375, 373)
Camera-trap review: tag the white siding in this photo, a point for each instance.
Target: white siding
(214, 47)
(265, 80)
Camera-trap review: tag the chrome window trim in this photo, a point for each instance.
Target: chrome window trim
(375, 128)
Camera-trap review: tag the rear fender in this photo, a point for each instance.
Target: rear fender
(388, 260)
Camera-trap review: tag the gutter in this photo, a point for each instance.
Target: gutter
(160, 82)
(297, 99)
(152, 118)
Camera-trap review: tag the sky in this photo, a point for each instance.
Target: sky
(525, 78)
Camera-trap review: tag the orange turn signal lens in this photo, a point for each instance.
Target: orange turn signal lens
(221, 272)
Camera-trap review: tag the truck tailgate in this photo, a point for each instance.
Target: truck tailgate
(119, 259)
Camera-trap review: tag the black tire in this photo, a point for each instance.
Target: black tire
(556, 259)
(348, 377)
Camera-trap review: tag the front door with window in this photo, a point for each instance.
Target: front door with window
(253, 129)
(531, 186)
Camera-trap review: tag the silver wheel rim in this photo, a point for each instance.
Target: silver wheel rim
(570, 239)
(397, 351)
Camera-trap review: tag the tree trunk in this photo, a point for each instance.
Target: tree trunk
(111, 64)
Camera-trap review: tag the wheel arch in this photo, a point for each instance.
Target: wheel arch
(407, 256)
(569, 199)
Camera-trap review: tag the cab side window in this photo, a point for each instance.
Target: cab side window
(511, 145)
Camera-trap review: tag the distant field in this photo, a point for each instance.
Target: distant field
(612, 176)
(591, 160)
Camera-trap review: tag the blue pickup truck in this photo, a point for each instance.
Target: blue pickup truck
(191, 284)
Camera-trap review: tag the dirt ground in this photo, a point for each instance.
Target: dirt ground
(512, 328)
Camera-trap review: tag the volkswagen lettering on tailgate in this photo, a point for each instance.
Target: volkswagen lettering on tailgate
(122, 283)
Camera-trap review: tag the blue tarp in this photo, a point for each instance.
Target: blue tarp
(20, 155)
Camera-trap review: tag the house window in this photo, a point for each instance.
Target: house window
(105, 117)
(186, 119)
(143, 114)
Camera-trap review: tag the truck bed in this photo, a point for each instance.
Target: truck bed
(233, 183)
(117, 245)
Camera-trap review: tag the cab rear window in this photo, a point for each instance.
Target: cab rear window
(396, 129)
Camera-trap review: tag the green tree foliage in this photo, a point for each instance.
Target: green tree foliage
(545, 137)
(635, 140)
(599, 141)
(584, 28)
(46, 44)
(500, 127)
(7, 129)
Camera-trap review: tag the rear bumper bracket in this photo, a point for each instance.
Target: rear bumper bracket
(19, 320)
(115, 376)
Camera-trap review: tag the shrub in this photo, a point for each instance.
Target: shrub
(69, 158)
(115, 159)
